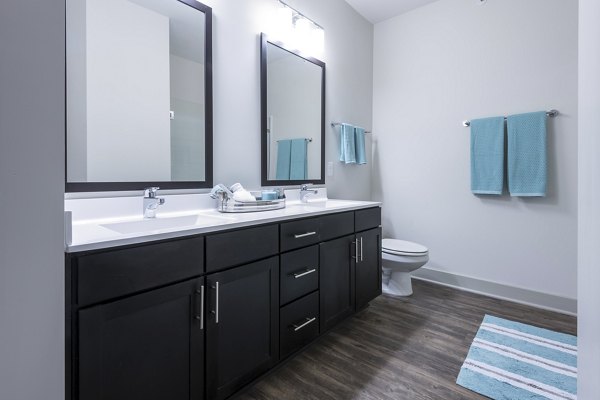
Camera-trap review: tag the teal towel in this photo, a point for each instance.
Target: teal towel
(347, 144)
(527, 154)
(298, 167)
(487, 155)
(361, 154)
(284, 154)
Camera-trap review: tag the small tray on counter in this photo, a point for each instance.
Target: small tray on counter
(228, 205)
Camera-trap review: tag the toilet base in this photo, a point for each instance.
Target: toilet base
(396, 283)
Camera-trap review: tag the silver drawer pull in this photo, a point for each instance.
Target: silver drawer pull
(307, 322)
(361, 249)
(216, 310)
(301, 235)
(301, 274)
(355, 256)
(202, 308)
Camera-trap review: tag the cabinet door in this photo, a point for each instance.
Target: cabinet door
(336, 275)
(368, 267)
(148, 346)
(242, 325)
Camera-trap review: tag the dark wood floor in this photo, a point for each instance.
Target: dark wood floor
(407, 348)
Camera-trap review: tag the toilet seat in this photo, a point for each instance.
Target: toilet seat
(403, 248)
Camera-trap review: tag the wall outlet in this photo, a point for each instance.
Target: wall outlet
(330, 168)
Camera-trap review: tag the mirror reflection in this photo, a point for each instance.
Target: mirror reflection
(136, 91)
(294, 116)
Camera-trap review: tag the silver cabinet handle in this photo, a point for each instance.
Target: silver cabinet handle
(202, 307)
(301, 274)
(301, 235)
(355, 243)
(306, 322)
(216, 311)
(361, 248)
(201, 316)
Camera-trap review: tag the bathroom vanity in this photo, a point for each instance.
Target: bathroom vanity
(194, 304)
(204, 312)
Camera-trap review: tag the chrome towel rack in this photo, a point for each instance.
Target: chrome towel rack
(550, 113)
(334, 124)
(307, 139)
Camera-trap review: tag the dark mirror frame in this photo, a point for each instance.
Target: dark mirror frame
(264, 40)
(208, 129)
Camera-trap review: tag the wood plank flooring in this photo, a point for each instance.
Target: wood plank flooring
(408, 348)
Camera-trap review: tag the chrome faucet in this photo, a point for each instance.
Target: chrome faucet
(151, 202)
(305, 192)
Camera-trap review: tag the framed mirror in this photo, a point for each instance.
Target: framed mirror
(292, 116)
(139, 95)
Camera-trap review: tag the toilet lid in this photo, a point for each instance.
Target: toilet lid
(403, 247)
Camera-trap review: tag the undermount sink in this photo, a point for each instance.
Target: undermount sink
(156, 224)
(326, 203)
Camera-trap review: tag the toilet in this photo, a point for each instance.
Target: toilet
(400, 258)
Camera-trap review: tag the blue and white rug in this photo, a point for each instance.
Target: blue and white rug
(513, 361)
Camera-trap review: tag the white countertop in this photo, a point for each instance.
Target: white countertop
(89, 233)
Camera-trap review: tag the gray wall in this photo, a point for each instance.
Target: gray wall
(236, 61)
(31, 199)
(589, 200)
(454, 60)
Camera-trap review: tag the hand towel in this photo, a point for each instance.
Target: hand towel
(347, 144)
(487, 155)
(284, 154)
(361, 154)
(527, 154)
(298, 165)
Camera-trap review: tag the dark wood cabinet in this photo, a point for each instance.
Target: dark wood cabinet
(107, 275)
(203, 316)
(299, 324)
(148, 346)
(336, 278)
(299, 273)
(368, 267)
(242, 325)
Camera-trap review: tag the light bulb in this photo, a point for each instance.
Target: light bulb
(303, 33)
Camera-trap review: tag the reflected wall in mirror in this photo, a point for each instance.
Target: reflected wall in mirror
(139, 94)
(293, 116)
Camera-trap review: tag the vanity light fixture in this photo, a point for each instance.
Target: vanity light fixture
(297, 31)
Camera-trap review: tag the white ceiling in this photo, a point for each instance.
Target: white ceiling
(380, 10)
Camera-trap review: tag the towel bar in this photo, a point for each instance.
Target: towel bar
(550, 113)
(307, 139)
(334, 124)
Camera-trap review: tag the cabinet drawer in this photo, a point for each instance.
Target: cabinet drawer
(239, 247)
(116, 273)
(299, 324)
(304, 232)
(367, 219)
(299, 273)
(300, 233)
(336, 225)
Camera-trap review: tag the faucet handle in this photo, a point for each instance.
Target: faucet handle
(151, 192)
(304, 187)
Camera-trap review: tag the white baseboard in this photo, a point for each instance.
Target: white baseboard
(528, 297)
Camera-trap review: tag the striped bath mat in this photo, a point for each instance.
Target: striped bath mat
(513, 361)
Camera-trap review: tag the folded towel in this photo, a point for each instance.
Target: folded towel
(284, 154)
(298, 165)
(347, 144)
(487, 155)
(361, 154)
(527, 158)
